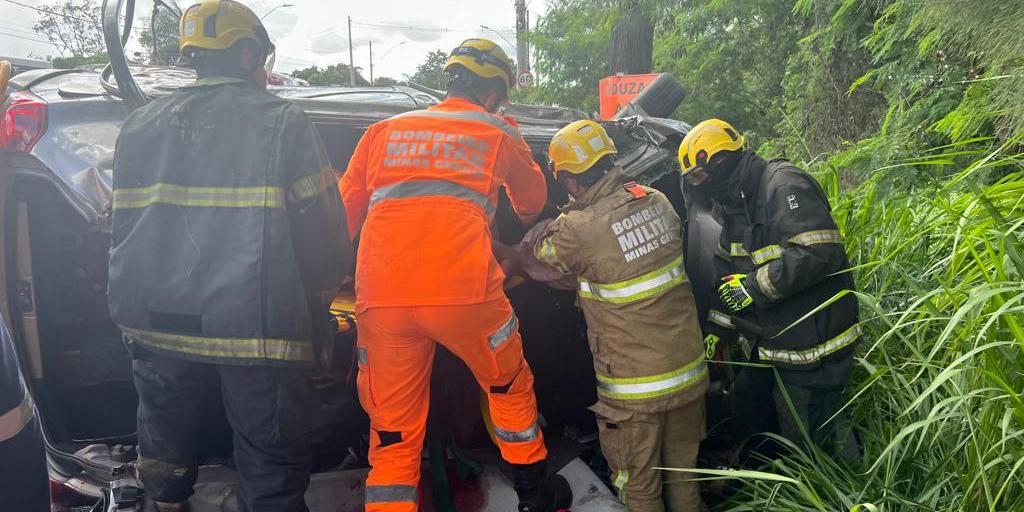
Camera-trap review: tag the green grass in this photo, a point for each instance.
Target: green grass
(937, 395)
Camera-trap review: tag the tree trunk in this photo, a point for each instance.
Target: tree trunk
(632, 46)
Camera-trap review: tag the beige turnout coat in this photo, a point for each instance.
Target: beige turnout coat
(622, 240)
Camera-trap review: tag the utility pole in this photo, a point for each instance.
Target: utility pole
(522, 37)
(351, 57)
(371, 63)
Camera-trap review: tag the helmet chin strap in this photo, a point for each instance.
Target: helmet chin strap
(492, 106)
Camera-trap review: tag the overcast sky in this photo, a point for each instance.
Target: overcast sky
(315, 32)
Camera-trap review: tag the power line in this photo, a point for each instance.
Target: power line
(16, 36)
(23, 32)
(47, 11)
(420, 29)
(401, 27)
(17, 26)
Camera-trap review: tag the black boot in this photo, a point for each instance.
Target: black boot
(539, 492)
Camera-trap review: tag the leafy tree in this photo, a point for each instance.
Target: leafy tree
(731, 58)
(572, 42)
(820, 113)
(73, 27)
(431, 72)
(954, 68)
(384, 81)
(75, 60)
(336, 74)
(161, 39)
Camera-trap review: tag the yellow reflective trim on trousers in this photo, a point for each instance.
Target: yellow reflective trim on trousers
(13, 421)
(236, 348)
(820, 236)
(653, 386)
(812, 354)
(764, 282)
(621, 479)
(214, 197)
(311, 186)
(638, 288)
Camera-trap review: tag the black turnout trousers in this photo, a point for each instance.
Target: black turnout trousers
(758, 404)
(270, 409)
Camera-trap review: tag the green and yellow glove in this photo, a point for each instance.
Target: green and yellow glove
(734, 293)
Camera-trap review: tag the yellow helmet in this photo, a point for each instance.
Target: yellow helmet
(218, 25)
(578, 146)
(483, 58)
(706, 140)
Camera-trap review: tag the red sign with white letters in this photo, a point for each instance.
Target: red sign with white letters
(617, 91)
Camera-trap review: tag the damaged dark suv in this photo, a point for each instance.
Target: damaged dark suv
(57, 134)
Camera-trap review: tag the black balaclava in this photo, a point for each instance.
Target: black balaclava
(722, 183)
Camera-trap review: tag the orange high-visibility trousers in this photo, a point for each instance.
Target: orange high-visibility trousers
(396, 354)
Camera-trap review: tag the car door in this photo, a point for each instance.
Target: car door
(23, 481)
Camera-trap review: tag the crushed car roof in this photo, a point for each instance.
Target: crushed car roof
(86, 175)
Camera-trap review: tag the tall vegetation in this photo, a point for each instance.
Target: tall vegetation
(911, 114)
(937, 399)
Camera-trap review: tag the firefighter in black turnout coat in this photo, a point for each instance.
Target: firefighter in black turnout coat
(228, 245)
(784, 275)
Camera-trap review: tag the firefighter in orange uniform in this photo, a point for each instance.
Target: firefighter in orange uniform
(421, 191)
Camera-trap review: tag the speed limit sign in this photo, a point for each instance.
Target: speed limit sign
(525, 79)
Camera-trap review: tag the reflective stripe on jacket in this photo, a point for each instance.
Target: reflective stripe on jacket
(642, 324)
(229, 238)
(421, 191)
(790, 247)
